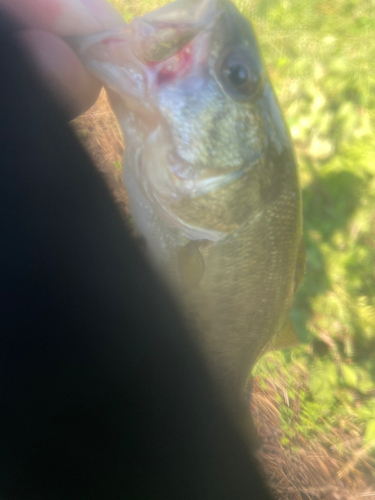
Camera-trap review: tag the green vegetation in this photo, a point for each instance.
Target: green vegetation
(320, 58)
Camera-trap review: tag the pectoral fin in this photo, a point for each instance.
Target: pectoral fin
(286, 338)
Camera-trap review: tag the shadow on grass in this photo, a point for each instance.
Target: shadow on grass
(329, 202)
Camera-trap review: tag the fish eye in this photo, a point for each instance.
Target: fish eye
(240, 74)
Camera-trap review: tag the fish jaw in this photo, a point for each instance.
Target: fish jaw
(162, 45)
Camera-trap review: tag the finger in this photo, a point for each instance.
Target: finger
(72, 84)
(65, 17)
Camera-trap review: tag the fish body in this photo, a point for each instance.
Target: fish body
(210, 173)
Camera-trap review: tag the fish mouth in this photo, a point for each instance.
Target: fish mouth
(159, 47)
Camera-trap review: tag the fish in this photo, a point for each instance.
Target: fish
(211, 175)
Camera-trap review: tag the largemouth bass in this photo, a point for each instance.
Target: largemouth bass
(210, 173)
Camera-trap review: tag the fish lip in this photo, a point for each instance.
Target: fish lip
(93, 49)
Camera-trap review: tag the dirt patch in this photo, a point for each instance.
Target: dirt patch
(102, 138)
(308, 470)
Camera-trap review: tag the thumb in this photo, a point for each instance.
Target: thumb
(64, 17)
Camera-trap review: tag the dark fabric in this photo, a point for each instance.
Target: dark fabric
(102, 394)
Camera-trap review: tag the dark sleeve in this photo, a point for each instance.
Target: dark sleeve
(102, 394)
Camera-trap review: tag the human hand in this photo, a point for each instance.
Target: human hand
(43, 23)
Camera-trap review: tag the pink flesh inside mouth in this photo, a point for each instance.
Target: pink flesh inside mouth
(113, 41)
(175, 67)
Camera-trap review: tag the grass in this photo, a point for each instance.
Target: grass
(314, 404)
(321, 71)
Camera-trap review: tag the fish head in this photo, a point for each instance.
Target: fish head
(197, 110)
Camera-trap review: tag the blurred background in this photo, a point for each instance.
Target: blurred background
(314, 405)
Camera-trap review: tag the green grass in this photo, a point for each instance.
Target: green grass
(320, 56)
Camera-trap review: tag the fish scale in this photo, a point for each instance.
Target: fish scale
(238, 308)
